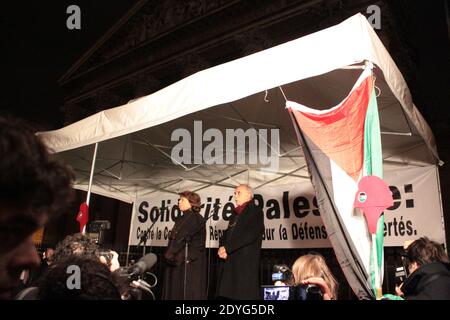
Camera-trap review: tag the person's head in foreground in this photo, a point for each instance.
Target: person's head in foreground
(424, 251)
(312, 269)
(33, 187)
(79, 278)
(81, 245)
(429, 271)
(75, 244)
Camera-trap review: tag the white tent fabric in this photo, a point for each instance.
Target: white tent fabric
(134, 154)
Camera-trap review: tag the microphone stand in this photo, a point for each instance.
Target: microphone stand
(144, 236)
(143, 240)
(187, 239)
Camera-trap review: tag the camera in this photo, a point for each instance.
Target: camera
(96, 231)
(281, 272)
(402, 270)
(309, 292)
(107, 254)
(401, 273)
(301, 292)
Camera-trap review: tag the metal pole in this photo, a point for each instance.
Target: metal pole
(91, 177)
(133, 213)
(441, 206)
(145, 244)
(186, 250)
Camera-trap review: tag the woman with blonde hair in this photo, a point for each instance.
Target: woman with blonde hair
(312, 269)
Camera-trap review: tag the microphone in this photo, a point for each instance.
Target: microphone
(144, 236)
(144, 264)
(141, 284)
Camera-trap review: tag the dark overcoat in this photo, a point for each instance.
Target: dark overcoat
(191, 227)
(429, 282)
(239, 273)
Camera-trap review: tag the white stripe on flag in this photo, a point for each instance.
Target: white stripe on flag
(344, 190)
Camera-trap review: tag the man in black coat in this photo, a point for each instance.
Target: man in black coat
(430, 271)
(240, 249)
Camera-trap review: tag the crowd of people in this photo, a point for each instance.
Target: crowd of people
(34, 188)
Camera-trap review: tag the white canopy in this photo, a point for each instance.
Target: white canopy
(134, 154)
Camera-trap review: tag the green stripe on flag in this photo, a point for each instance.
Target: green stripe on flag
(373, 165)
(373, 161)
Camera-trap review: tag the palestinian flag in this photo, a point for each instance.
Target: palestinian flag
(341, 145)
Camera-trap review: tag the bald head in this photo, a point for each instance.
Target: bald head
(242, 194)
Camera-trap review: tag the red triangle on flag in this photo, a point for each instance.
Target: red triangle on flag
(339, 133)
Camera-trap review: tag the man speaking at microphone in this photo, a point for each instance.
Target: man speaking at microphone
(240, 249)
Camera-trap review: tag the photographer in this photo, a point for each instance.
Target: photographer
(282, 275)
(429, 271)
(79, 244)
(96, 282)
(311, 269)
(75, 244)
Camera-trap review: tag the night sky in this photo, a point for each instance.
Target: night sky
(37, 49)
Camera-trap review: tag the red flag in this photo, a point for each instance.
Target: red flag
(83, 216)
(339, 132)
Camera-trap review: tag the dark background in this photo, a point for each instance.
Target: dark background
(37, 48)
